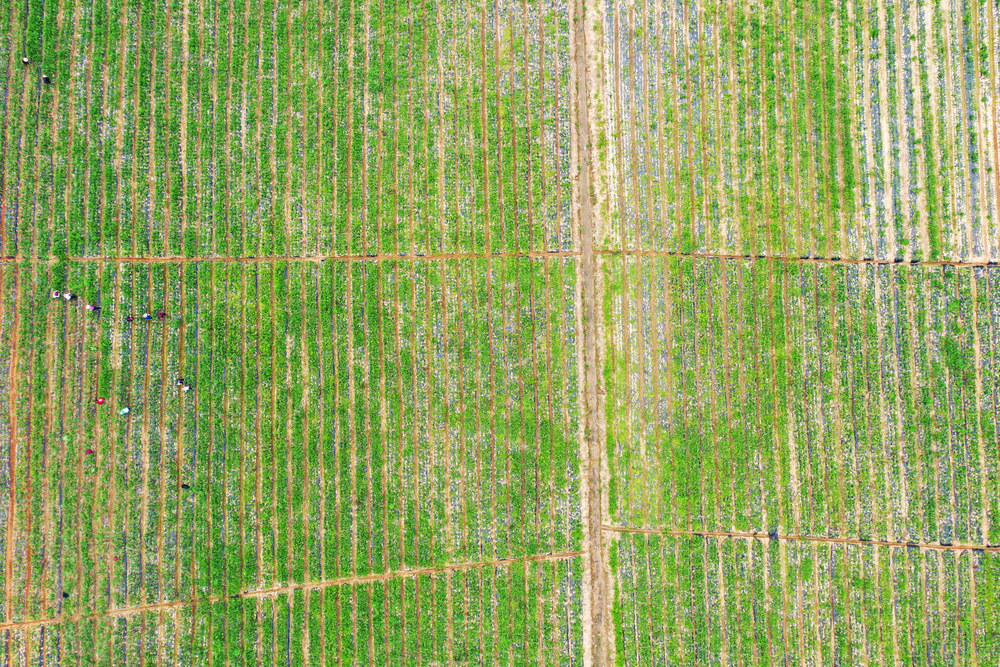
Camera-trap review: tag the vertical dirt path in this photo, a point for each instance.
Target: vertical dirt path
(597, 646)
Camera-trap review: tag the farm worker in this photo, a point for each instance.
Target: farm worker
(55, 294)
(65, 595)
(161, 315)
(91, 306)
(180, 382)
(128, 319)
(123, 411)
(186, 388)
(147, 316)
(26, 60)
(46, 79)
(69, 296)
(91, 451)
(100, 401)
(185, 486)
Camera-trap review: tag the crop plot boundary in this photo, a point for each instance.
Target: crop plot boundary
(292, 588)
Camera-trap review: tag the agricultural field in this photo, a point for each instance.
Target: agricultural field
(330, 437)
(364, 250)
(768, 418)
(796, 232)
(861, 129)
(508, 333)
(273, 128)
(717, 600)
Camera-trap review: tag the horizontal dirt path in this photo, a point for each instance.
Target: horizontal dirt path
(933, 546)
(505, 255)
(284, 590)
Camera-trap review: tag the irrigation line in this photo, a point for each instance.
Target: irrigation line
(794, 537)
(286, 590)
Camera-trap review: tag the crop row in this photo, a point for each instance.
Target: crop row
(820, 399)
(243, 130)
(344, 418)
(802, 127)
(693, 600)
(525, 612)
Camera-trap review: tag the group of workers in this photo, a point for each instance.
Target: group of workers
(70, 296)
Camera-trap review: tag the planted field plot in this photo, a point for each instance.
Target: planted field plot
(694, 600)
(507, 332)
(526, 612)
(810, 398)
(855, 129)
(284, 128)
(348, 425)
(841, 410)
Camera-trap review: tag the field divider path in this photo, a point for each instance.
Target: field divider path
(505, 255)
(795, 537)
(290, 589)
(597, 637)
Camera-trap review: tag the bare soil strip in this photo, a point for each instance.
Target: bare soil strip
(794, 537)
(292, 588)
